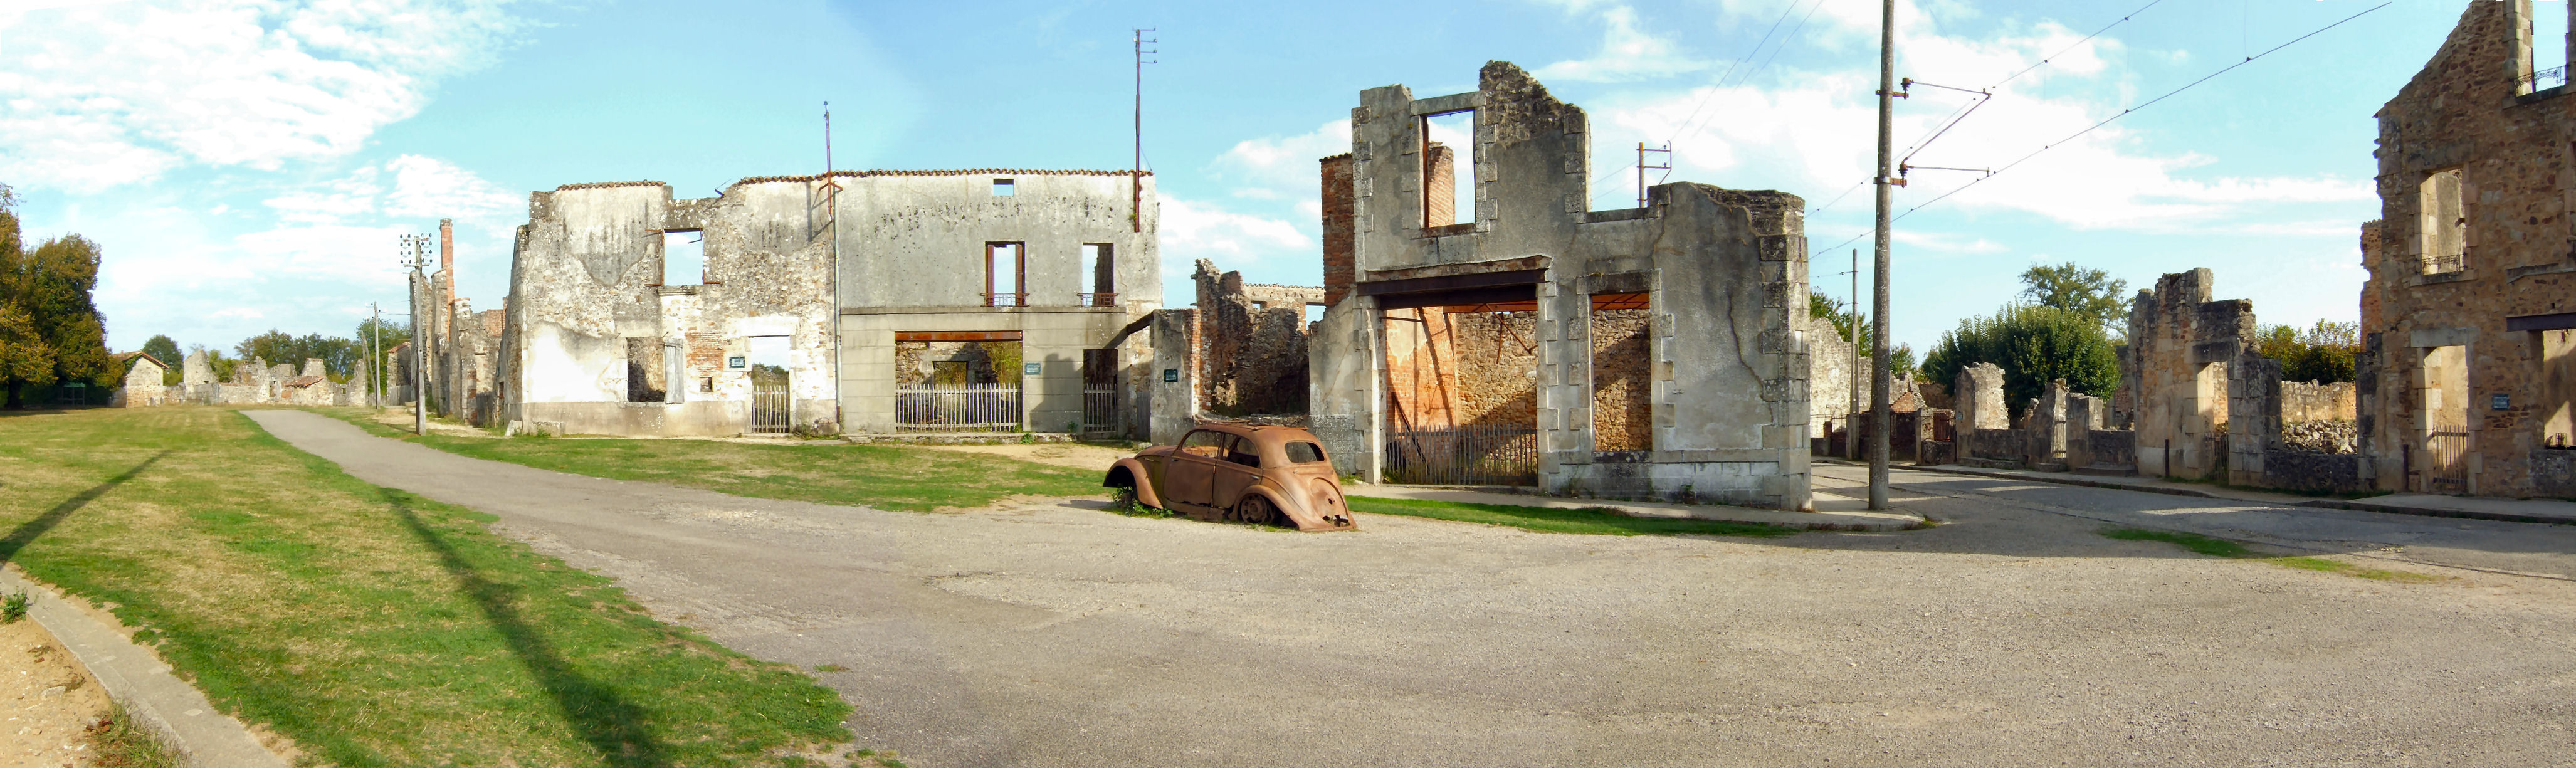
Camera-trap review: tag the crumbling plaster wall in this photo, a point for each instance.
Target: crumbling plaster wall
(2469, 110)
(1725, 269)
(913, 260)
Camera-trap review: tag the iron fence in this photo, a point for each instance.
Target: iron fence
(1469, 455)
(957, 408)
(1102, 299)
(1099, 410)
(2446, 466)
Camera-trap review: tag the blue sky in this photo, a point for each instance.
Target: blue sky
(247, 165)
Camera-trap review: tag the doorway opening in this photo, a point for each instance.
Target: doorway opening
(2443, 398)
(1623, 413)
(1462, 394)
(957, 381)
(772, 404)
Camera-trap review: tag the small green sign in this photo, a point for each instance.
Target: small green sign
(737, 362)
(1029, 369)
(1171, 375)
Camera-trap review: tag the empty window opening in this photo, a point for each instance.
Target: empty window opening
(2445, 223)
(1104, 275)
(1314, 313)
(2548, 44)
(1622, 373)
(1449, 169)
(684, 257)
(1006, 271)
(1462, 395)
(645, 375)
(1003, 187)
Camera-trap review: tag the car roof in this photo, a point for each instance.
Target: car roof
(1264, 432)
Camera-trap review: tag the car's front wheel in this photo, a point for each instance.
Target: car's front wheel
(1122, 499)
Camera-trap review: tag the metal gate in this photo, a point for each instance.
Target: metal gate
(957, 408)
(2446, 466)
(1472, 455)
(1100, 392)
(769, 402)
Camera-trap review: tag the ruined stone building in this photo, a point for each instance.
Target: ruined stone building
(1526, 339)
(2468, 382)
(872, 302)
(254, 382)
(1251, 348)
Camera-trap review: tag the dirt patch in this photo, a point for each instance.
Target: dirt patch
(1075, 455)
(47, 700)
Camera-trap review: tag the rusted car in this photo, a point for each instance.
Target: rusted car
(1233, 473)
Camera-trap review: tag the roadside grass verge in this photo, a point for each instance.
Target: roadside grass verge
(116, 741)
(2228, 549)
(880, 476)
(1594, 520)
(370, 626)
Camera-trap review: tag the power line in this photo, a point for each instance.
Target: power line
(2078, 43)
(2125, 113)
(1720, 84)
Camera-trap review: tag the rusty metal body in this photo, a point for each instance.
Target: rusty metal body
(1234, 473)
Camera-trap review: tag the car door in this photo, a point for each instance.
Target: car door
(1240, 469)
(1190, 480)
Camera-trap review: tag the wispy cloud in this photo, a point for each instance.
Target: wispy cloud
(1627, 52)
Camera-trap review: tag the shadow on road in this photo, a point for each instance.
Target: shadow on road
(27, 532)
(613, 726)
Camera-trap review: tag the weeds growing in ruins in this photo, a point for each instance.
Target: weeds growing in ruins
(116, 741)
(369, 626)
(2215, 547)
(13, 606)
(1593, 520)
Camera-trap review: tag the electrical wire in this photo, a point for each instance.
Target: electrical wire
(2123, 113)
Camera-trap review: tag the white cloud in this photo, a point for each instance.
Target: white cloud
(97, 95)
(1627, 53)
(428, 187)
(1192, 231)
(1276, 164)
(1817, 132)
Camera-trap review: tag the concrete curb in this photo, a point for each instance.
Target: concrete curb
(2357, 505)
(1820, 521)
(136, 678)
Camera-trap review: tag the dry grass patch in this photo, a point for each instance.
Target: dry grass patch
(370, 626)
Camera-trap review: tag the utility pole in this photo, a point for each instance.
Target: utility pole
(1136, 179)
(1642, 167)
(1878, 377)
(375, 356)
(416, 255)
(832, 203)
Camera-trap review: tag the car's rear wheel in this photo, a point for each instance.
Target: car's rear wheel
(1256, 509)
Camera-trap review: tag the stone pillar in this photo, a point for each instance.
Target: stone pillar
(2253, 414)
(1979, 399)
(1174, 389)
(2083, 416)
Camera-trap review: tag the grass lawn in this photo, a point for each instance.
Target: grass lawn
(1553, 520)
(2229, 549)
(371, 626)
(881, 476)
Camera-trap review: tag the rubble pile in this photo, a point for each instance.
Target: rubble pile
(2332, 436)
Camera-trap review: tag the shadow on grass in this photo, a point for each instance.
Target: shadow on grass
(27, 532)
(612, 725)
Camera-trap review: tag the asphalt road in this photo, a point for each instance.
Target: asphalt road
(1057, 635)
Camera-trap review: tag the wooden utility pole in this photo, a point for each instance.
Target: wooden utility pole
(1878, 377)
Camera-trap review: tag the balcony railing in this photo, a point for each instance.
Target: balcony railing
(1006, 299)
(2544, 79)
(1103, 299)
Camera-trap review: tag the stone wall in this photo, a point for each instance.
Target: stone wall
(2311, 401)
(2472, 288)
(1978, 397)
(1255, 355)
(2176, 369)
(1623, 386)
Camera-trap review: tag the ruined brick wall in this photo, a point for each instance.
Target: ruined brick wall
(2469, 262)
(1439, 185)
(1339, 217)
(1448, 369)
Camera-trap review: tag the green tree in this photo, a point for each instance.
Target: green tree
(2091, 293)
(339, 356)
(372, 347)
(50, 332)
(2323, 352)
(167, 351)
(2034, 345)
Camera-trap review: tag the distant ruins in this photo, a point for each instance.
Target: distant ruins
(1528, 340)
(254, 382)
(2468, 381)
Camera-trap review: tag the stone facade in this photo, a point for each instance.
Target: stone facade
(2468, 377)
(1721, 276)
(2311, 401)
(2176, 370)
(826, 278)
(1253, 344)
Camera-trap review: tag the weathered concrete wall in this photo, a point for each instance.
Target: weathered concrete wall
(1173, 388)
(589, 301)
(2470, 260)
(2311, 401)
(1831, 371)
(1724, 270)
